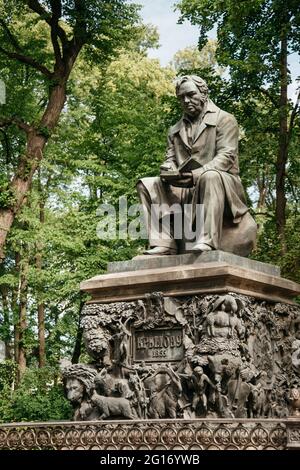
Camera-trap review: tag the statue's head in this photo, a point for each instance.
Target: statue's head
(227, 303)
(96, 340)
(75, 390)
(198, 370)
(79, 382)
(192, 91)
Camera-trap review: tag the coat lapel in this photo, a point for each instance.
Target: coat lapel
(209, 118)
(180, 129)
(183, 136)
(200, 129)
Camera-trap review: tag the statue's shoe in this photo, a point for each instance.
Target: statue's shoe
(201, 247)
(160, 251)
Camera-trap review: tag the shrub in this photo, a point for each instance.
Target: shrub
(39, 397)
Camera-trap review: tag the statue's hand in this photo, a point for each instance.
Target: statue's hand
(168, 166)
(184, 180)
(169, 172)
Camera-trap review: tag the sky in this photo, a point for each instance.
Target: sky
(174, 37)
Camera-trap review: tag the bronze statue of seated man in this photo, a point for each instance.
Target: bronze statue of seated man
(200, 170)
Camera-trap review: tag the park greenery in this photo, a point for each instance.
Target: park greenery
(86, 114)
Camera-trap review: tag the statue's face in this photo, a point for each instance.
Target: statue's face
(74, 390)
(190, 98)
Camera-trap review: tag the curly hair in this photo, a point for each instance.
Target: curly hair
(82, 372)
(198, 81)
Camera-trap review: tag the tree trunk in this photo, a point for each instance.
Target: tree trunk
(6, 322)
(41, 334)
(37, 136)
(29, 162)
(41, 306)
(23, 317)
(15, 310)
(78, 342)
(282, 156)
(262, 190)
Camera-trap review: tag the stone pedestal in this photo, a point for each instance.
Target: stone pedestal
(181, 275)
(191, 337)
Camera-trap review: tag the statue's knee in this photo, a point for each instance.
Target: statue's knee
(210, 176)
(148, 183)
(140, 186)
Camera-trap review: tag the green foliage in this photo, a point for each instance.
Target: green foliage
(130, 114)
(249, 40)
(6, 194)
(191, 58)
(43, 131)
(39, 397)
(255, 40)
(269, 249)
(8, 374)
(112, 130)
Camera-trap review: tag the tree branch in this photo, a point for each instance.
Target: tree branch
(6, 145)
(70, 48)
(18, 122)
(56, 14)
(35, 6)
(28, 61)
(292, 188)
(268, 94)
(11, 37)
(80, 28)
(56, 48)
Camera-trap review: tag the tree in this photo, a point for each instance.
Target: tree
(193, 58)
(114, 128)
(255, 39)
(99, 25)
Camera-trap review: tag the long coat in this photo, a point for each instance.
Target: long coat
(215, 147)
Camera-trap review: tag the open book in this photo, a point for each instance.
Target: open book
(187, 166)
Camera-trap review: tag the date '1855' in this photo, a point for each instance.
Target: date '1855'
(158, 345)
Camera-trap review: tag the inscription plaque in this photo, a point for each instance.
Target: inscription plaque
(158, 345)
